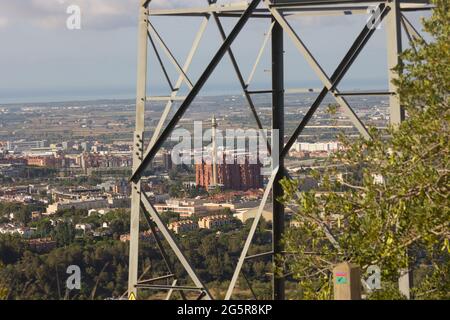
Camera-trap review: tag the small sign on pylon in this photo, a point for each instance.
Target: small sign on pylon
(132, 296)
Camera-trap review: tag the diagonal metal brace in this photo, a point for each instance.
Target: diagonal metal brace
(148, 157)
(251, 234)
(241, 80)
(317, 68)
(173, 244)
(337, 76)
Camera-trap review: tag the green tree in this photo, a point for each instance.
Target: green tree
(23, 215)
(11, 248)
(176, 190)
(3, 288)
(119, 221)
(44, 227)
(64, 233)
(388, 201)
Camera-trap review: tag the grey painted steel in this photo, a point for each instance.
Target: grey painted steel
(249, 239)
(287, 91)
(278, 124)
(161, 249)
(138, 148)
(259, 91)
(238, 8)
(259, 255)
(364, 93)
(320, 7)
(166, 98)
(412, 32)
(396, 112)
(241, 80)
(408, 34)
(168, 276)
(167, 287)
(259, 56)
(148, 157)
(394, 48)
(318, 70)
(277, 10)
(308, 12)
(173, 244)
(337, 76)
(405, 282)
(302, 90)
(249, 285)
(336, 2)
(179, 82)
(161, 63)
(170, 55)
(171, 290)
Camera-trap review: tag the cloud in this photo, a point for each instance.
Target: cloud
(3, 22)
(187, 3)
(104, 14)
(96, 14)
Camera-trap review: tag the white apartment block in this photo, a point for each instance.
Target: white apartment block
(314, 147)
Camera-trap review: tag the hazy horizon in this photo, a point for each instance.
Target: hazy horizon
(41, 60)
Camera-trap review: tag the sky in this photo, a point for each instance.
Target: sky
(42, 60)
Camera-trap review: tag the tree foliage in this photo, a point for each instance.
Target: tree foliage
(386, 202)
(104, 263)
(3, 289)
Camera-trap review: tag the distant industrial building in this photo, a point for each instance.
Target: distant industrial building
(24, 145)
(232, 176)
(88, 204)
(316, 147)
(185, 209)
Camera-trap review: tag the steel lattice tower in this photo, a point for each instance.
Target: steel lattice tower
(276, 13)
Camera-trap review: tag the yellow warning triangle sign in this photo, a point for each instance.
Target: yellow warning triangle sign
(132, 296)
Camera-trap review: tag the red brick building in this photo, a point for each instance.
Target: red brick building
(105, 161)
(41, 245)
(232, 176)
(43, 161)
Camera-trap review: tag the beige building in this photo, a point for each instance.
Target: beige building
(244, 214)
(145, 235)
(185, 209)
(89, 203)
(183, 226)
(250, 213)
(211, 206)
(77, 204)
(213, 222)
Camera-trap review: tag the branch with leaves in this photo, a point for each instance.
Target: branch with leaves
(401, 220)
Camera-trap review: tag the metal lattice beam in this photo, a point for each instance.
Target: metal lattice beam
(148, 157)
(149, 209)
(277, 11)
(337, 76)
